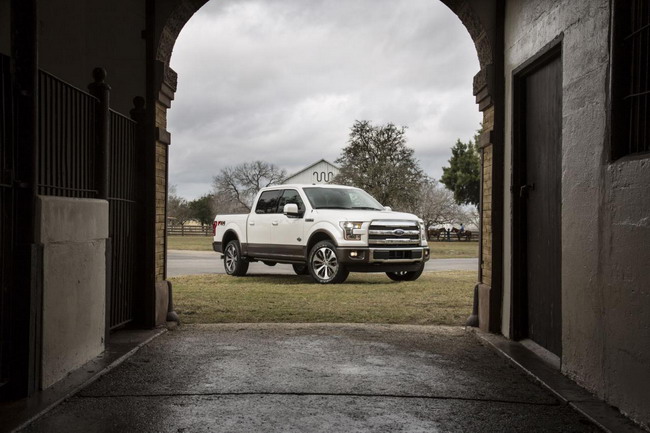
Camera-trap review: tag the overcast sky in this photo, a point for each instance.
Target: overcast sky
(284, 80)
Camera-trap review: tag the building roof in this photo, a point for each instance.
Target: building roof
(311, 166)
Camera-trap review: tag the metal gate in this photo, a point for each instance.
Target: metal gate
(69, 165)
(6, 213)
(123, 208)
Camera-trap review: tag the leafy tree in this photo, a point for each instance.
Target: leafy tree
(202, 210)
(377, 160)
(241, 183)
(463, 176)
(178, 209)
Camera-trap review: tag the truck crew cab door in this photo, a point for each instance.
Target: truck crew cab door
(260, 223)
(287, 232)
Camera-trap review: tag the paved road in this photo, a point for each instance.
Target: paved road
(208, 262)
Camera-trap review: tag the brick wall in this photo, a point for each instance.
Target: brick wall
(486, 210)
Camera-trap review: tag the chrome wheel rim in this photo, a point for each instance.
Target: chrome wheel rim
(231, 258)
(325, 264)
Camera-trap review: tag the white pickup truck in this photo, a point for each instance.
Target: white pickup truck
(323, 230)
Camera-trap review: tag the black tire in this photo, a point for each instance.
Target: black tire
(301, 269)
(270, 263)
(324, 265)
(233, 262)
(406, 275)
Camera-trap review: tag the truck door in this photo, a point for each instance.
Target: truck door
(260, 222)
(287, 233)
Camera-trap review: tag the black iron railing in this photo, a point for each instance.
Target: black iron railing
(631, 78)
(67, 139)
(6, 209)
(123, 208)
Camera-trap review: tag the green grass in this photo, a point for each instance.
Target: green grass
(439, 250)
(193, 243)
(436, 298)
(453, 250)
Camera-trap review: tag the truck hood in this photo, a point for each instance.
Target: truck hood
(361, 215)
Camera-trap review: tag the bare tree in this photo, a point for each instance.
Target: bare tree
(436, 204)
(224, 203)
(178, 210)
(241, 183)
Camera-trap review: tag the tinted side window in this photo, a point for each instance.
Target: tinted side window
(268, 202)
(291, 196)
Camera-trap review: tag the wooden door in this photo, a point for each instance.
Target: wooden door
(539, 201)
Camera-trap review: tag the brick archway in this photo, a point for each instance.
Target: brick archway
(483, 21)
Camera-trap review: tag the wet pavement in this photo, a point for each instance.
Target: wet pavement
(314, 378)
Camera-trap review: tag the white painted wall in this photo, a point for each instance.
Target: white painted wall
(73, 233)
(605, 208)
(323, 172)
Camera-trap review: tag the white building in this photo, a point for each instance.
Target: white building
(319, 172)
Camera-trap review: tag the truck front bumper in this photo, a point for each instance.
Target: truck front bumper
(382, 259)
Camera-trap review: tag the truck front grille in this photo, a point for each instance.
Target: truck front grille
(394, 234)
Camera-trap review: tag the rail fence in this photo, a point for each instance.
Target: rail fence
(179, 230)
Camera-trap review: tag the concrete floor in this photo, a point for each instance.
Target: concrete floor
(314, 378)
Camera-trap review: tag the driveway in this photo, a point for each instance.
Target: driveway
(313, 378)
(208, 262)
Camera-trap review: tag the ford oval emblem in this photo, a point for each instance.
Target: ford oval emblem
(398, 232)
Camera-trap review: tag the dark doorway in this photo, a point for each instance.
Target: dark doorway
(537, 159)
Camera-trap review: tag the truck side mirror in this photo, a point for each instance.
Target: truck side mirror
(291, 210)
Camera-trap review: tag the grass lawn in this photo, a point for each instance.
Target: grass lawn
(439, 250)
(436, 298)
(193, 243)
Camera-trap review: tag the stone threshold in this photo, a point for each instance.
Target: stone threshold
(124, 343)
(547, 373)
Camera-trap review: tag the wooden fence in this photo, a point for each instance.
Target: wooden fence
(178, 230)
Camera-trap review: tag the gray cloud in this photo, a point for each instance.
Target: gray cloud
(283, 81)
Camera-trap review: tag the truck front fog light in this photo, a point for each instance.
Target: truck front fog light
(353, 254)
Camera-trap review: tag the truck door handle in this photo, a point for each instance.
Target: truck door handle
(252, 223)
(275, 223)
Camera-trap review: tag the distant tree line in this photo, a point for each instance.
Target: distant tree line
(376, 159)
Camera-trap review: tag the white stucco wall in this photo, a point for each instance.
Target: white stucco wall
(605, 208)
(73, 233)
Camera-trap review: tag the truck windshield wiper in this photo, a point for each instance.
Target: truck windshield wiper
(331, 207)
(365, 208)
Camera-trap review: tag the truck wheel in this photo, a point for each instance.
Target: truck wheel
(301, 269)
(324, 265)
(406, 275)
(233, 261)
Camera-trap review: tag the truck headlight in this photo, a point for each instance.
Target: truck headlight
(423, 232)
(351, 230)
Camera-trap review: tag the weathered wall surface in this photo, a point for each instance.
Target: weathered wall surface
(605, 208)
(95, 33)
(73, 233)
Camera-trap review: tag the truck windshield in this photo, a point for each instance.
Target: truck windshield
(341, 198)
